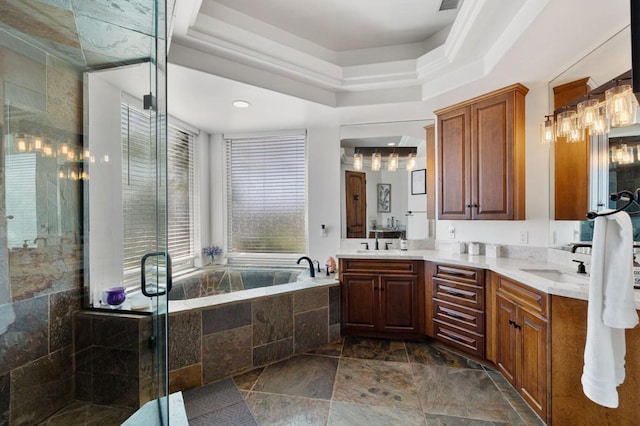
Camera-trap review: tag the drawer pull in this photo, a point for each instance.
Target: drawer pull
(515, 324)
(454, 292)
(452, 313)
(457, 338)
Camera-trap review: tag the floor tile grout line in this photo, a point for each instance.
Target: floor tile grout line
(415, 384)
(511, 404)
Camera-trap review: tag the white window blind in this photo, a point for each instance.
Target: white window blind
(266, 195)
(141, 209)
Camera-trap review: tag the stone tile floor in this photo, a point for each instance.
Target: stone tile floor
(363, 382)
(353, 382)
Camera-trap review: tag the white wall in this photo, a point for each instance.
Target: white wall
(104, 230)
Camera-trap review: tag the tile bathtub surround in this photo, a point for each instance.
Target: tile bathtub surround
(239, 337)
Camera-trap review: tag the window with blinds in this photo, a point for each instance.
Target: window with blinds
(141, 209)
(266, 195)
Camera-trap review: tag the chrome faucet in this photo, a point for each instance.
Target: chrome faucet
(312, 271)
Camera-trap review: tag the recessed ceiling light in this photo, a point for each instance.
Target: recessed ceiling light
(241, 104)
(391, 143)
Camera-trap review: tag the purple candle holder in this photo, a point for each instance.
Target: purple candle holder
(115, 296)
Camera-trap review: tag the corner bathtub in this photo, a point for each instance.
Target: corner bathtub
(218, 285)
(226, 325)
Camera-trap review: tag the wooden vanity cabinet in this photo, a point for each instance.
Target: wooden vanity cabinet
(382, 298)
(481, 160)
(571, 161)
(520, 345)
(458, 307)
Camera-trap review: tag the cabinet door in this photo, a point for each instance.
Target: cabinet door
(506, 338)
(399, 303)
(454, 165)
(360, 301)
(532, 376)
(492, 158)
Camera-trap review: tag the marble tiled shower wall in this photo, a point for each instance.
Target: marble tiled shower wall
(218, 342)
(39, 284)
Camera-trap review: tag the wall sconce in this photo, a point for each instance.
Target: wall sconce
(376, 161)
(357, 161)
(392, 163)
(37, 144)
(566, 121)
(411, 162)
(588, 112)
(21, 144)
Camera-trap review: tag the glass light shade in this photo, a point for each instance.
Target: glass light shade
(22, 145)
(392, 163)
(576, 134)
(547, 131)
(64, 149)
(47, 151)
(376, 161)
(620, 105)
(37, 144)
(411, 161)
(357, 161)
(566, 122)
(587, 113)
(623, 154)
(601, 124)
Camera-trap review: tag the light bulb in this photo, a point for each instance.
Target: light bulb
(392, 164)
(411, 161)
(376, 161)
(357, 161)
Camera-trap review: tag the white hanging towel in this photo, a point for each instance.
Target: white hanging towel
(611, 308)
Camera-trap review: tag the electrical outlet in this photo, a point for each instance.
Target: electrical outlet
(524, 237)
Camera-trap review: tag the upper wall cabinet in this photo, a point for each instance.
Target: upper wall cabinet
(481, 161)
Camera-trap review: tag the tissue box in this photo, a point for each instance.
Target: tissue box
(493, 250)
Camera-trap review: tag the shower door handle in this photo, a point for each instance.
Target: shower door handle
(143, 272)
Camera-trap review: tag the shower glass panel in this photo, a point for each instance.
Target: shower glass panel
(62, 324)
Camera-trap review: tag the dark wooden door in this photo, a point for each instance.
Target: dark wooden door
(454, 186)
(356, 202)
(399, 303)
(492, 158)
(506, 338)
(533, 374)
(360, 307)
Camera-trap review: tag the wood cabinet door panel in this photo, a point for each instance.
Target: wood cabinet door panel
(506, 356)
(399, 300)
(454, 191)
(356, 204)
(492, 161)
(532, 376)
(360, 301)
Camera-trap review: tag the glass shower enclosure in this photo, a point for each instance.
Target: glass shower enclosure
(69, 305)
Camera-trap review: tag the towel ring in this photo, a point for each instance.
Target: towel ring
(632, 197)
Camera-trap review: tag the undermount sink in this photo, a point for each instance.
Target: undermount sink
(381, 252)
(558, 276)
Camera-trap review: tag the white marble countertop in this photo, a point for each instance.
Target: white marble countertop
(566, 282)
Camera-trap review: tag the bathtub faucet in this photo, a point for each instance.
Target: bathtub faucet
(312, 272)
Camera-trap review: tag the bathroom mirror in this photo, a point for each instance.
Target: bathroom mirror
(390, 203)
(609, 60)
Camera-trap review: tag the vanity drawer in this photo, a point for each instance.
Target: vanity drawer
(465, 340)
(460, 273)
(531, 299)
(456, 315)
(468, 295)
(378, 265)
